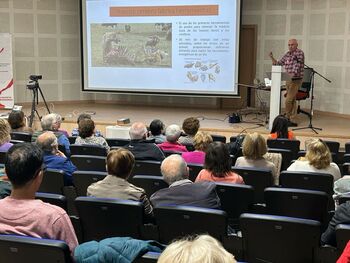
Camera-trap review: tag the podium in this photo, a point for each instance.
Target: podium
(277, 75)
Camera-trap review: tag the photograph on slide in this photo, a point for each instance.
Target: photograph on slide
(139, 45)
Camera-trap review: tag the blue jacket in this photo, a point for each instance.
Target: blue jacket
(57, 162)
(114, 250)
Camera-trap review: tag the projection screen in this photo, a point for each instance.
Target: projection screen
(163, 47)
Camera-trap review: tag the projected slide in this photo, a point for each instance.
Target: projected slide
(161, 46)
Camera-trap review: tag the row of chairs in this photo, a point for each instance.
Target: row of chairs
(268, 238)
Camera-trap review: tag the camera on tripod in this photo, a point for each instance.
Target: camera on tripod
(33, 83)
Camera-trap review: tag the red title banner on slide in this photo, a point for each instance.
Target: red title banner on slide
(181, 10)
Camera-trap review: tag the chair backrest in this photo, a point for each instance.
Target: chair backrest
(287, 156)
(53, 181)
(307, 180)
(16, 141)
(293, 145)
(21, 136)
(179, 221)
(310, 181)
(118, 142)
(86, 149)
(193, 170)
(54, 199)
(89, 162)
(268, 238)
(347, 147)
(83, 179)
(147, 167)
(2, 157)
(149, 183)
(168, 152)
(19, 249)
(236, 199)
(218, 138)
(258, 178)
(72, 139)
(103, 217)
(301, 203)
(344, 198)
(342, 233)
(333, 146)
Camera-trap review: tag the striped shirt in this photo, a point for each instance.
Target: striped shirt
(293, 62)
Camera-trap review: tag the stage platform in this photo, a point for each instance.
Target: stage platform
(334, 126)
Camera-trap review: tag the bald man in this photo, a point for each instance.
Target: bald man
(53, 158)
(141, 149)
(181, 190)
(293, 62)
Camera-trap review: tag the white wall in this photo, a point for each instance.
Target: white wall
(322, 28)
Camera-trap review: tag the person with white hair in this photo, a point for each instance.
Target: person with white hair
(198, 249)
(140, 147)
(181, 190)
(172, 133)
(54, 158)
(51, 122)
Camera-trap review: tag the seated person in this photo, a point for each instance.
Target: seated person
(280, 129)
(120, 163)
(57, 125)
(48, 123)
(55, 159)
(140, 148)
(254, 148)
(201, 142)
(341, 216)
(86, 135)
(5, 136)
(198, 249)
(217, 165)
(156, 131)
(181, 190)
(21, 213)
(82, 116)
(190, 127)
(341, 187)
(17, 122)
(172, 134)
(318, 159)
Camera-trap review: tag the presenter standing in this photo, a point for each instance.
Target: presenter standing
(293, 62)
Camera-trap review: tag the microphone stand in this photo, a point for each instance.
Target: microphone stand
(310, 126)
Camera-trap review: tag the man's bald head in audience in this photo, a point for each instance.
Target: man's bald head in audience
(174, 168)
(48, 142)
(138, 131)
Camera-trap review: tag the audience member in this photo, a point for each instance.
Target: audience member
(341, 216)
(217, 165)
(17, 122)
(280, 129)
(120, 163)
(341, 187)
(254, 148)
(5, 136)
(345, 256)
(172, 134)
(55, 159)
(157, 128)
(21, 213)
(190, 127)
(318, 158)
(199, 249)
(181, 190)
(86, 134)
(201, 142)
(141, 149)
(56, 125)
(82, 116)
(48, 123)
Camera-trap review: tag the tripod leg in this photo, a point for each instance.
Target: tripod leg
(42, 96)
(33, 110)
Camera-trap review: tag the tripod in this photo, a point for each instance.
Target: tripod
(311, 113)
(35, 88)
